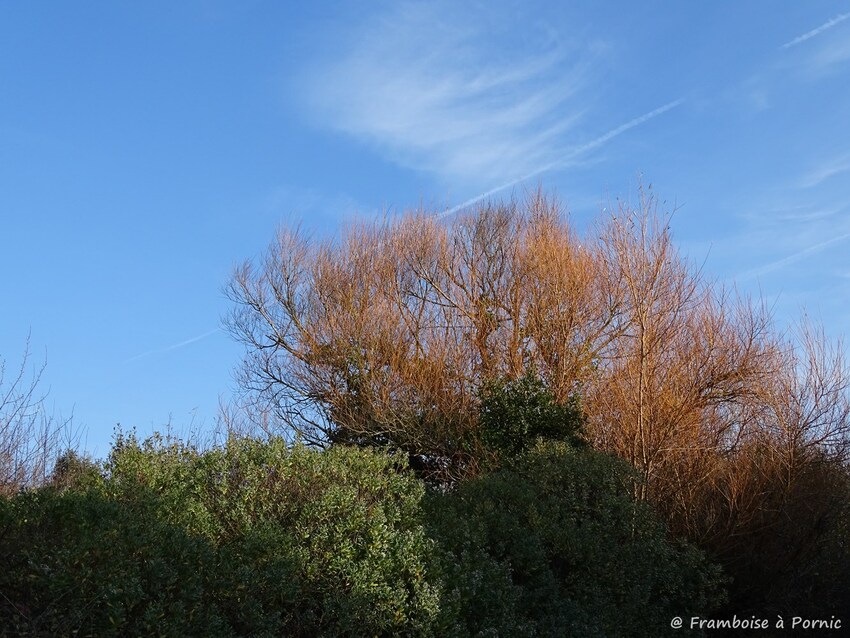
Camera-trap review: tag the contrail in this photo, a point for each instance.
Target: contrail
(173, 347)
(810, 34)
(791, 258)
(595, 143)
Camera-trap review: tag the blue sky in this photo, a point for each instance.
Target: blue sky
(147, 148)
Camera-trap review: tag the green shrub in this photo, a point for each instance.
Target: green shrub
(514, 414)
(557, 545)
(260, 539)
(79, 563)
(252, 539)
(75, 471)
(345, 527)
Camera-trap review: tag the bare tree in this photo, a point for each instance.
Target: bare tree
(806, 402)
(386, 336)
(741, 434)
(683, 360)
(30, 438)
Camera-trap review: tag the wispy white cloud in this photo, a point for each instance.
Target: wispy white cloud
(570, 156)
(790, 259)
(830, 56)
(827, 170)
(175, 346)
(786, 216)
(816, 32)
(441, 93)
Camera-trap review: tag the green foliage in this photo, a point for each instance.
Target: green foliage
(555, 545)
(344, 523)
(80, 563)
(72, 470)
(261, 539)
(516, 413)
(252, 539)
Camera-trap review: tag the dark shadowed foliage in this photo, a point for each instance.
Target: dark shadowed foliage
(555, 544)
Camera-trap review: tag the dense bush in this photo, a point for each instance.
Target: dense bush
(515, 413)
(557, 545)
(252, 539)
(260, 539)
(84, 564)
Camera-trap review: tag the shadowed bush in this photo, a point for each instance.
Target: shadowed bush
(555, 544)
(89, 565)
